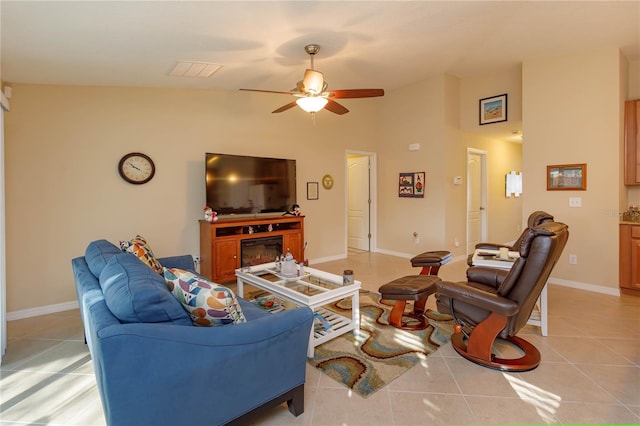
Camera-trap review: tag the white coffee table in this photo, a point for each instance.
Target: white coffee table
(315, 289)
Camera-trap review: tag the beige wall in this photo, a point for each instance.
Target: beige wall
(571, 110)
(413, 114)
(63, 145)
(430, 114)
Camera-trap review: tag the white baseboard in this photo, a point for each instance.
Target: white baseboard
(41, 310)
(584, 286)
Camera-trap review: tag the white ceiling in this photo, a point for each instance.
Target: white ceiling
(379, 44)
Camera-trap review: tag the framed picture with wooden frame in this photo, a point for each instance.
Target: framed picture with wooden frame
(567, 177)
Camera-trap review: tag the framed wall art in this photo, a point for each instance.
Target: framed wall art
(567, 177)
(493, 110)
(411, 185)
(312, 191)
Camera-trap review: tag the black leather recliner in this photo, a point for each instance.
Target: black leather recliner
(496, 303)
(535, 219)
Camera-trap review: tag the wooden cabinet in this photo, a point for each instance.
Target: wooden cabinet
(225, 255)
(632, 142)
(630, 259)
(221, 242)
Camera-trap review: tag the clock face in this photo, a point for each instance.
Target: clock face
(136, 168)
(327, 181)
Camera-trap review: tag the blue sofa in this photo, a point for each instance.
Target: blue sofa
(153, 366)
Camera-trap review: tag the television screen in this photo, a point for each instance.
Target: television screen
(238, 184)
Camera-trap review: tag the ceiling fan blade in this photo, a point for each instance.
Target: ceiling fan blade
(285, 107)
(335, 107)
(356, 93)
(267, 91)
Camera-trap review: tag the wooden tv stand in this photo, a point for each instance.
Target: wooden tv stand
(220, 242)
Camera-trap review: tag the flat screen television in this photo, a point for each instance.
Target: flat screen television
(238, 184)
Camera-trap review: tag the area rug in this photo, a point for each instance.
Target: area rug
(380, 353)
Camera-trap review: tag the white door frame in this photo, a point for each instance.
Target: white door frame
(4, 106)
(484, 212)
(373, 191)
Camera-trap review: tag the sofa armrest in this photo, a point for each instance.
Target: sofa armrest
(236, 368)
(184, 261)
(464, 292)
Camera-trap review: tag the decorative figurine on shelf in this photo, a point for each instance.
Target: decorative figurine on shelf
(289, 267)
(295, 211)
(270, 228)
(208, 213)
(250, 230)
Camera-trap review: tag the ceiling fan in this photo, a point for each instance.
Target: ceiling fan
(312, 94)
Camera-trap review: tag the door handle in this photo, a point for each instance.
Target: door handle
(481, 208)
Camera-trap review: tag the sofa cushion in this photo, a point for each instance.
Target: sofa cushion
(208, 303)
(97, 254)
(135, 293)
(141, 249)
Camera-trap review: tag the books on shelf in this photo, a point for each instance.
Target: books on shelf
(320, 323)
(270, 303)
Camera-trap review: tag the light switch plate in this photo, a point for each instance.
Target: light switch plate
(575, 201)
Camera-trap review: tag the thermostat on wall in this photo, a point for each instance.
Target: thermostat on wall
(457, 180)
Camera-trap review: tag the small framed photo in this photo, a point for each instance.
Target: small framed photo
(493, 110)
(312, 191)
(567, 177)
(411, 185)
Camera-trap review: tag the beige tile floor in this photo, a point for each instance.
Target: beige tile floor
(590, 370)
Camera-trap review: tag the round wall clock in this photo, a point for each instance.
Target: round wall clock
(327, 181)
(136, 168)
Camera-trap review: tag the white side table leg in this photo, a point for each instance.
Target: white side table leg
(355, 309)
(240, 288)
(544, 324)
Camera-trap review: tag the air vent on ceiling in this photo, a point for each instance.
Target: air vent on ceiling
(194, 69)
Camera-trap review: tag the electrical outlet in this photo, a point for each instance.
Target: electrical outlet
(196, 259)
(573, 259)
(456, 243)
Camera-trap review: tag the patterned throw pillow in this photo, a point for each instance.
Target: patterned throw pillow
(208, 304)
(141, 249)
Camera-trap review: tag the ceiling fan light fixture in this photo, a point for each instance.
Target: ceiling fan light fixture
(313, 81)
(312, 103)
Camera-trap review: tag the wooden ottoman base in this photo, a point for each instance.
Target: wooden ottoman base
(412, 287)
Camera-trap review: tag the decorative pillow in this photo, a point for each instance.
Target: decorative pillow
(208, 303)
(141, 249)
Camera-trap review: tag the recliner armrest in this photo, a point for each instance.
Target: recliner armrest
(490, 301)
(485, 275)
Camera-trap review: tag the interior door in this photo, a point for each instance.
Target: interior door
(476, 200)
(358, 203)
